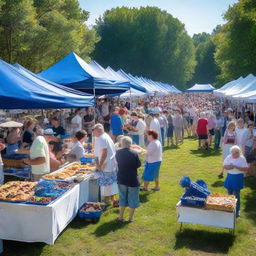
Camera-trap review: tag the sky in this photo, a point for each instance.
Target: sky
(197, 15)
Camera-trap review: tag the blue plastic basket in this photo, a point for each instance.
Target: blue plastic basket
(192, 201)
(90, 215)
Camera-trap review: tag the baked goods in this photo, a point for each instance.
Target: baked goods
(221, 202)
(70, 171)
(41, 200)
(92, 207)
(138, 149)
(17, 191)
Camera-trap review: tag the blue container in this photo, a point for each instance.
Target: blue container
(90, 215)
(188, 200)
(85, 160)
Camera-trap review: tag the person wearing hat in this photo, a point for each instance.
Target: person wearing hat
(104, 151)
(39, 156)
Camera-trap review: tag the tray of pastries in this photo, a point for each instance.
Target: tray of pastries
(71, 170)
(221, 202)
(138, 149)
(17, 191)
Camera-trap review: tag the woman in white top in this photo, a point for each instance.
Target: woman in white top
(153, 161)
(78, 150)
(236, 165)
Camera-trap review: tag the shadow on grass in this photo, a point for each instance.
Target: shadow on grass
(144, 196)
(218, 183)
(205, 153)
(77, 223)
(210, 242)
(170, 148)
(13, 248)
(250, 199)
(109, 227)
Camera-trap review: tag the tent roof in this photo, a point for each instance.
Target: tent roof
(74, 72)
(201, 88)
(229, 85)
(245, 85)
(23, 92)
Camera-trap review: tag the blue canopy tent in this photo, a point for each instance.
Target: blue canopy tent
(36, 78)
(74, 72)
(18, 91)
(201, 88)
(133, 84)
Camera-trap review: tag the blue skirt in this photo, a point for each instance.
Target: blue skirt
(234, 181)
(151, 171)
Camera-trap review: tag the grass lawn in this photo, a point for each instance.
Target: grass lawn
(155, 231)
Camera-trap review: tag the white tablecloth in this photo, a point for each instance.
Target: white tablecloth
(206, 217)
(34, 223)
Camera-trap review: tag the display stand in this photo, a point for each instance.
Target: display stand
(36, 223)
(201, 216)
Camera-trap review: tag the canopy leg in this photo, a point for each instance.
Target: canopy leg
(1, 246)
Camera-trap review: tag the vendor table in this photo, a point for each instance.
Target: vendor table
(37, 223)
(201, 216)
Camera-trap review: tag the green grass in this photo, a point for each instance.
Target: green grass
(156, 231)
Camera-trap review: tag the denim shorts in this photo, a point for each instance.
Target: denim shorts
(129, 196)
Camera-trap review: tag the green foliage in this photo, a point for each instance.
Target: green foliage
(236, 42)
(38, 33)
(206, 69)
(201, 38)
(146, 41)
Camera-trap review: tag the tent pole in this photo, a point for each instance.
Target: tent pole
(130, 100)
(94, 96)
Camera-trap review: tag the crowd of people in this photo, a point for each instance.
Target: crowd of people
(155, 122)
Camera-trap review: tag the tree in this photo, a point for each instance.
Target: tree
(201, 38)
(236, 42)
(37, 33)
(206, 69)
(18, 25)
(146, 41)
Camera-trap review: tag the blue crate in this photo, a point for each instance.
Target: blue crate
(192, 201)
(90, 215)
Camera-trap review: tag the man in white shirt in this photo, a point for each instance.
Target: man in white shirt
(76, 122)
(104, 151)
(39, 154)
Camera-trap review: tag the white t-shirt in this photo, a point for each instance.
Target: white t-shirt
(154, 151)
(140, 127)
(40, 148)
(240, 134)
(241, 162)
(105, 109)
(77, 151)
(102, 142)
(154, 125)
(77, 120)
